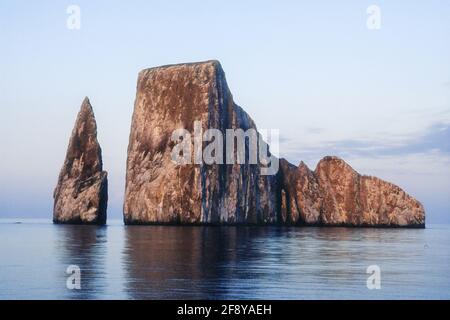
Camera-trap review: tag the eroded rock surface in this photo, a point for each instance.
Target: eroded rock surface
(81, 194)
(335, 194)
(161, 191)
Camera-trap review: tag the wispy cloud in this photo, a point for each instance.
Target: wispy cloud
(436, 138)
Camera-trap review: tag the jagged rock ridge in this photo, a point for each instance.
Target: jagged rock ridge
(335, 194)
(81, 194)
(160, 191)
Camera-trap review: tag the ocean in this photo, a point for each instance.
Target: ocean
(38, 259)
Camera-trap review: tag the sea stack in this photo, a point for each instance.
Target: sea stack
(81, 194)
(161, 191)
(334, 194)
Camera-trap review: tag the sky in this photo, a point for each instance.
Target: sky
(378, 98)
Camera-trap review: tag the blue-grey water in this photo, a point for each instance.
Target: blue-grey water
(163, 262)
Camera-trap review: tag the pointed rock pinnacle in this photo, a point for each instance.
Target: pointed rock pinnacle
(81, 194)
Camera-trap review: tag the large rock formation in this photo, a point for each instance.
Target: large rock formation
(158, 190)
(335, 194)
(81, 194)
(161, 191)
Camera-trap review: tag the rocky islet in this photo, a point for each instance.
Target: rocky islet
(160, 191)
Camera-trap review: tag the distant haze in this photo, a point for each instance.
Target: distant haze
(380, 99)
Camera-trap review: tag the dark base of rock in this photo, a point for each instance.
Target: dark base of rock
(79, 222)
(273, 224)
(379, 226)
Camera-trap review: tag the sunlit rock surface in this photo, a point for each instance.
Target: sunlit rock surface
(81, 194)
(160, 191)
(335, 194)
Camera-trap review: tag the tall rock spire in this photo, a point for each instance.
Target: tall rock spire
(81, 194)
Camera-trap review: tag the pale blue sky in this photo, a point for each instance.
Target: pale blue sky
(378, 98)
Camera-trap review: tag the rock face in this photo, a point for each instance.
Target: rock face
(160, 191)
(81, 194)
(303, 195)
(335, 194)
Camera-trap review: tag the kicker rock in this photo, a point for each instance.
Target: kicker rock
(81, 194)
(158, 190)
(335, 194)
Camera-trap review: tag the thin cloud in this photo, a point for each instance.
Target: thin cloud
(436, 138)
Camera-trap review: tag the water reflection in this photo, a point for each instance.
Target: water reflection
(188, 262)
(252, 262)
(84, 246)
(161, 262)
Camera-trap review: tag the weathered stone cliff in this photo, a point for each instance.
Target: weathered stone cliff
(335, 194)
(158, 190)
(81, 194)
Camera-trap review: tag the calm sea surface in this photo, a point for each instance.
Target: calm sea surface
(162, 262)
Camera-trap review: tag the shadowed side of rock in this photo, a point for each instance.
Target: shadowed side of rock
(303, 194)
(81, 194)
